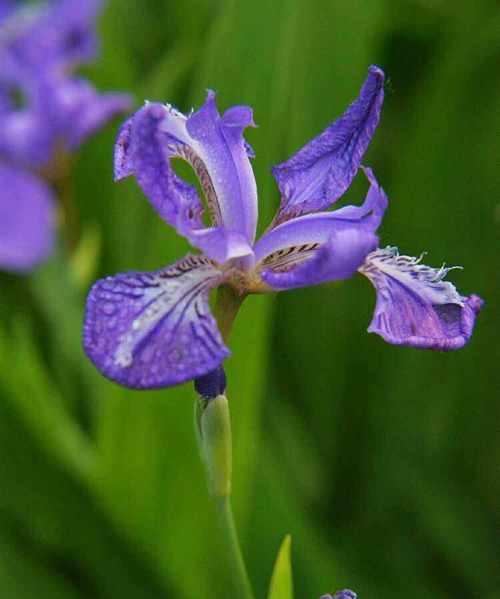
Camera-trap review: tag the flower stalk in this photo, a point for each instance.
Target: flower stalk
(213, 427)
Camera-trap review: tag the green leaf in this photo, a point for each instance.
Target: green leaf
(281, 586)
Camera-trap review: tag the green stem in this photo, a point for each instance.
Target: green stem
(213, 428)
(241, 581)
(226, 307)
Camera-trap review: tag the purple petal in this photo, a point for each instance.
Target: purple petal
(145, 147)
(318, 174)
(220, 145)
(338, 258)
(123, 166)
(315, 248)
(28, 129)
(26, 220)
(345, 594)
(415, 306)
(6, 6)
(82, 111)
(59, 35)
(152, 330)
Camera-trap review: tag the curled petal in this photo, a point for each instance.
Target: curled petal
(122, 164)
(315, 248)
(319, 173)
(152, 330)
(415, 306)
(213, 146)
(27, 218)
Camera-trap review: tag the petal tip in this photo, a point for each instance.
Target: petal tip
(377, 72)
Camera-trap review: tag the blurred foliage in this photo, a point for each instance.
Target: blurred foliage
(382, 462)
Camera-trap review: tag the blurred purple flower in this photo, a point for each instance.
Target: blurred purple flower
(345, 594)
(150, 330)
(45, 111)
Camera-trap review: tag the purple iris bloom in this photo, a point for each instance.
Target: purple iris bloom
(345, 594)
(45, 113)
(155, 329)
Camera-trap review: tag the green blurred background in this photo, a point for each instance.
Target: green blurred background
(382, 462)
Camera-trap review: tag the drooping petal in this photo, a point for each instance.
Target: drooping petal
(152, 330)
(321, 247)
(27, 219)
(415, 306)
(215, 149)
(319, 173)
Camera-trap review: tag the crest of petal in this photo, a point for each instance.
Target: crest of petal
(26, 220)
(319, 173)
(415, 306)
(153, 330)
(336, 259)
(321, 247)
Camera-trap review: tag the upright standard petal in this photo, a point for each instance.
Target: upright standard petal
(326, 246)
(415, 306)
(146, 146)
(27, 219)
(220, 145)
(318, 174)
(153, 330)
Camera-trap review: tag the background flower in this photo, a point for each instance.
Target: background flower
(46, 112)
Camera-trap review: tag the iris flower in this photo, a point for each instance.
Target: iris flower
(345, 594)
(46, 113)
(155, 329)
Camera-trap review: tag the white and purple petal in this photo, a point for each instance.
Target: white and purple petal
(27, 220)
(321, 247)
(221, 147)
(319, 173)
(415, 306)
(153, 330)
(215, 148)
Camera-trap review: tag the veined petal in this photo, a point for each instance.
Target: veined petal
(415, 306)
(27, 218)
(319, 173)
(336, 259)
(220, 145)
(315, 248)
(215, 149)
(152, 330)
